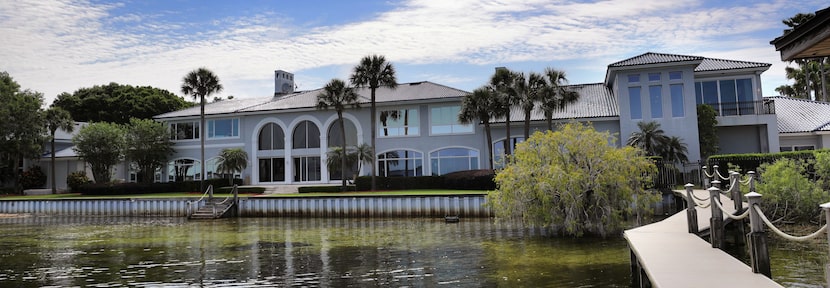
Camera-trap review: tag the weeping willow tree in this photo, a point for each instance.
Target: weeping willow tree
(575, 181)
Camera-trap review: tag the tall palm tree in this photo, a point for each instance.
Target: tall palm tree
(555, 94)
(232, 160)
(336, 94)
(201, 83)
(57, 118)
(481, 105)
(532, 91)
(674, 150)
(374, 72)
(363, 152)
(501, 83)
(650, 138)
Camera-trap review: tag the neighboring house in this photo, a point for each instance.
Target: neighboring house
(802, 124)
(418, 132)
(810, 39)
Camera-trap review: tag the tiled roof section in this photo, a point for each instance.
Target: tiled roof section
(799, 115)
(307, 99)
(654, 58)
(595, 101)
(711, 64)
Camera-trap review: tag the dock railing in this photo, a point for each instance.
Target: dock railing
(756, 238)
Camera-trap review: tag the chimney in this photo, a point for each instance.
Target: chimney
(283, 83)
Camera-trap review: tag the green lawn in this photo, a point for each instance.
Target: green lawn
(426, 192)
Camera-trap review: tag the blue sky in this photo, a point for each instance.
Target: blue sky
(61, 46)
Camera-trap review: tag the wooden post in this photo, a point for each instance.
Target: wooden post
(716, 182)
(635, 270)
(716, 222)
(826, 208)
(235, 201)
(758, 253)
(737, 198)
(691, 209)
(706, 179)
(751, 175)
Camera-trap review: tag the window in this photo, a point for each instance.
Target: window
(728, 97)
(223, 128)
(498, 150)
(656, 95)
(335, 137)
(676, 100)
(306, 135)
(306, 169)
(653, 77)
(444, 120)
(634, 78)
(184, 130)
(675, 75)
(401, 122)
(453, 159)
(271, 137)
(797, 148)
(401, 163)
(271, 169)
(635, 103)
(745, 99)
(183, 170)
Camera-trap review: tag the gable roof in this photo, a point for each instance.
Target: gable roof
(654, 58)
(800, 115)
(702, 64)
(414, 91)
(595, 101)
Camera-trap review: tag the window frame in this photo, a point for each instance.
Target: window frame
(195, 132)
(234, 128)
(407, 128)
(453, 126)
(415, 159)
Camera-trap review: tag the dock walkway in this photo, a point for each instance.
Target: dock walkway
(670, 256)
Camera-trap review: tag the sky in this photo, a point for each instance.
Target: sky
(64, 45)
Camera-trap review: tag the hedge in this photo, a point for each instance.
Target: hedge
(151, 188)
(316, 189)
(462, 180)
(752, 161)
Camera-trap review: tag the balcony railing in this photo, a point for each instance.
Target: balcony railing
(762, 107)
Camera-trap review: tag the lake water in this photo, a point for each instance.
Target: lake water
(42, 251)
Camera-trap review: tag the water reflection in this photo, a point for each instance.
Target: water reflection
(172, 252)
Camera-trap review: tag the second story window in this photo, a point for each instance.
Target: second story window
(400, 122)
(184, 130)
(444, 120)
(223, 128)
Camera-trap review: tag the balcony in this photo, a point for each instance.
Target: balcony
(762, 107)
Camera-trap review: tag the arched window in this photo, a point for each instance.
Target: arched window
(499, 153)
(401, 163)
(453, 159)
(306, 135)
(183, 170)
(271, 137)
(335, 138)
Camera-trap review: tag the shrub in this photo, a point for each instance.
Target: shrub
(314, 189)
(33, 178)
(241, 190)
(7, 191)
(471, 180)
(364, 183)
(788, 194)
(75, 179)
(753, 161)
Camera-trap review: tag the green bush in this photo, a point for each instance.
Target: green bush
(241, 190)
(152, 188)
(753, 161)
(364, 183)
(471, 180)
(33, 178)
(75, 179)
(317, 189)
(7, 191)
(788, 194)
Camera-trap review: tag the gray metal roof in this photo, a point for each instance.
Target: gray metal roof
(654, 58)
(307, 99)
(799, 115)
(712, 64)
(595, 101)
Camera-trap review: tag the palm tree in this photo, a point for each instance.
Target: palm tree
(363, 152)
(232, 160)
(555, 94)
(481, 105)
(374, 72)
(501, 83)
(201, 83)
(650, 138)
(57, 118)
(531, 92)
(674, 150)
(337, 94)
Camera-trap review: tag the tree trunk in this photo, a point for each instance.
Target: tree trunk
(508, 147)
(202, 135)
(489, 143)
(527, 124)
(342, 157)
(54, 182)
(374, 131)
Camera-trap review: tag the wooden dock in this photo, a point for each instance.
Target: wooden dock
(669, 256)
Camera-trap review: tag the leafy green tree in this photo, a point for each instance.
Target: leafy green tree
(674, 150)
(374, 72)
(102, 146)
(337, 95)
(57, 118)
(573, 181)
(148, 145)
(21, 127)
(808, 81)
(556, 94)
(233, 160)
(650, 138)
(117, 103)
(201, 83)
(531, 90)
(707, 130)
(788, 194)
(822, 169)
(483, 106)
(335, 160)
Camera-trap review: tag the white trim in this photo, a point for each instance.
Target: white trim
(429, 156)
(442, 105)
(346, 116)
(255, 145)
(225, 145)
(423, 158)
